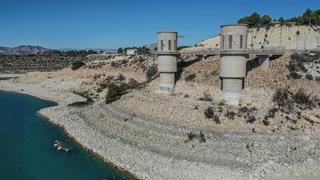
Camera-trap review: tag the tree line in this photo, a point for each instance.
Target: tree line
(309, 17)
(140, 50)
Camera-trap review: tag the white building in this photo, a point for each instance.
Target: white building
(132, 52)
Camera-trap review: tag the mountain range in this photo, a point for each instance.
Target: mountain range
(23, 50)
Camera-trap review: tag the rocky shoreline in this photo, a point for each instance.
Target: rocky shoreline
(195, 136)
(153, 150)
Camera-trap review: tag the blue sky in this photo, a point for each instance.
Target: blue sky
(120, 23)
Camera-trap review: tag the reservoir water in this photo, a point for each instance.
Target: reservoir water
(26, 146)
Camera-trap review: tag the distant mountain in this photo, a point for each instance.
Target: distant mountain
(98, 50)
(23, 50)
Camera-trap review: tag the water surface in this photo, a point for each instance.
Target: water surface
(26, 146)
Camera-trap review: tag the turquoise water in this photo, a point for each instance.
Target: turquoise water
(26, 150)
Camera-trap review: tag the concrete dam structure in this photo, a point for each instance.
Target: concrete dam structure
(291, 38)
(233, 60)
(167, 60)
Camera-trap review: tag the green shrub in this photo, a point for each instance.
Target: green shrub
(191, 136)
(295, 75)
(244, 109)
(191, 77)
(132, 83)
(206, 97)
(151, 73)
(216, 119)
(121, 77)
(281, 97)
(124, 87)
(251, 119)
(209, 113)
(271, 113)
(266, 122)
(77, 64)
(309, 77)
(230, 114)
(114, 93)
(303, 98)
(202, 137)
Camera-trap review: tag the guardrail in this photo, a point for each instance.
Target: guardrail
(216, 51)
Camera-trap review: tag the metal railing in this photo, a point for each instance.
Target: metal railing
(216, 51)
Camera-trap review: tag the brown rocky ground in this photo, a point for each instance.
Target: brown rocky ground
(256, 113)
(197, 99)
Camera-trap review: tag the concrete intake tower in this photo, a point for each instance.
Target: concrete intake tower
(167, 59)
(233, 61)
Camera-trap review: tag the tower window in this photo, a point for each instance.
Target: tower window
(222, 43)
(169, 43)
(241, 41)
(175, 45)
(230, 41)
(162, 45)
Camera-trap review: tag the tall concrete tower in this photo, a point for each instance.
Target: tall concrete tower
(167, 59)
(233, 61)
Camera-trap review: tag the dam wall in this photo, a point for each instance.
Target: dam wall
(292, 38)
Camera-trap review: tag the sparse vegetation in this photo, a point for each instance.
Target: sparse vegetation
(304, 65)
(295, 75)
(151, 73)
(271, 113)
(251, 119)
(209, 113)
(132, 83)
(206, 97)
(303, 98)
(244, 109)
(230, 115)
(266, 122)
(309, 77)
(192, 136)
(202, 138)
(191, 77)
(121, 77)
(281, 96)
(216, 119)
(115, 92)
(77, 64)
